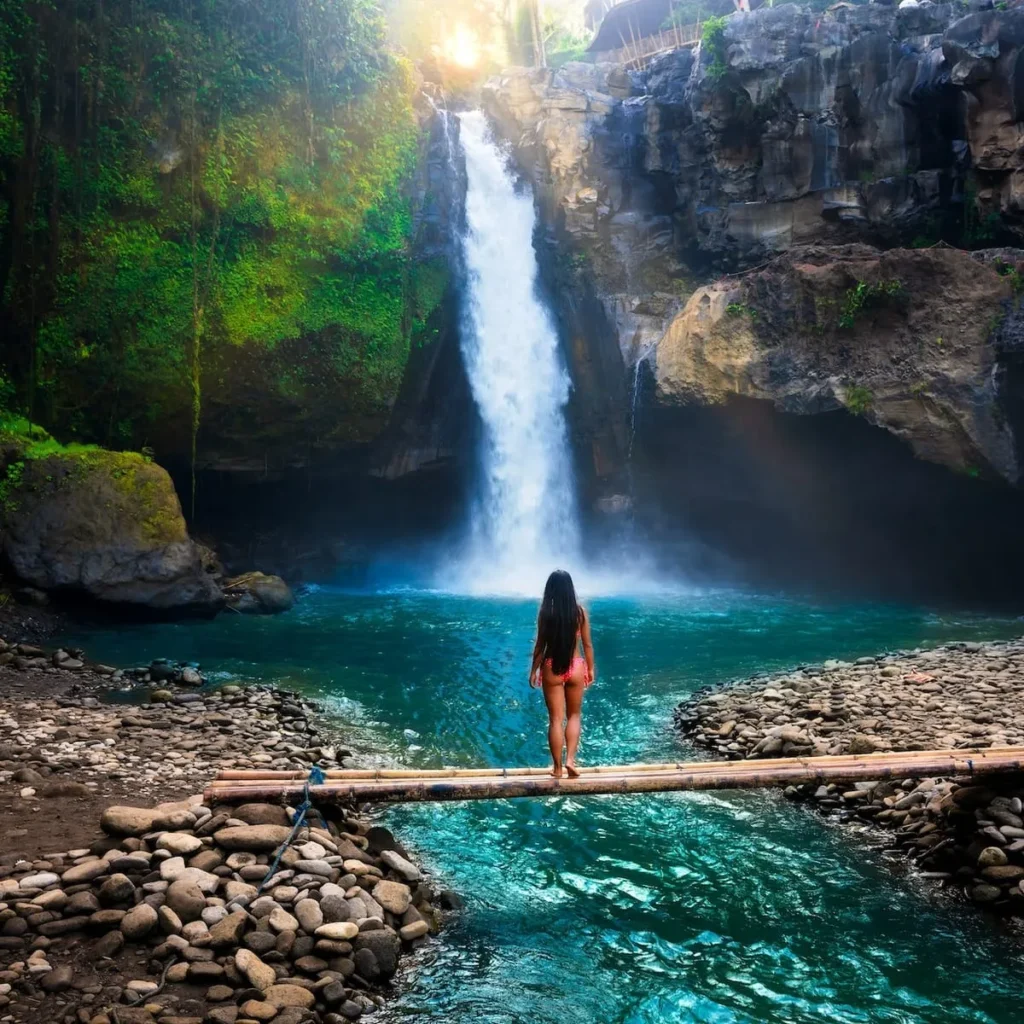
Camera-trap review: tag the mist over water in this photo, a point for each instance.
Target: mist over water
(524, 520)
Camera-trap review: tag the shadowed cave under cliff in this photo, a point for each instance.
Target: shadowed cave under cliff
(829, 503)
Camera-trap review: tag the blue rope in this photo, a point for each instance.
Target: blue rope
(316, 778)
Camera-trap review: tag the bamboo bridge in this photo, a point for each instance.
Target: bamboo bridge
(411, 786)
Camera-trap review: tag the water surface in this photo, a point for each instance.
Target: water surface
(717, 908)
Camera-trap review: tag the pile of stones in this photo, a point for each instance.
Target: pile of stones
(228, 934)
(956, 696)
(25, 657)
(966, 836)
(180, 739)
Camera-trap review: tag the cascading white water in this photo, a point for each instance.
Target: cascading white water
(526, 519)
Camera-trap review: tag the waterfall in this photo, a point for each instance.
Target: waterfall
(525, 519)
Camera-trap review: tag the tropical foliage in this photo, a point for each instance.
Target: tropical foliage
(181, 180)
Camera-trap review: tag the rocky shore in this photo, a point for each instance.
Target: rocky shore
(177, 913)
(965, 834)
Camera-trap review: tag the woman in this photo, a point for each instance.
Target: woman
(561, 625)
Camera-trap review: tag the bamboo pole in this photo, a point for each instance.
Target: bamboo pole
(252, 775)
(695, 776)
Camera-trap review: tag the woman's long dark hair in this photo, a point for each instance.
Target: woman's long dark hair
(558, 622)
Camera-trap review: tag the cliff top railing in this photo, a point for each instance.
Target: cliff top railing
(637, 52)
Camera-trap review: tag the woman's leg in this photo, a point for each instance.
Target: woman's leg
(554, 697)
(574, 724)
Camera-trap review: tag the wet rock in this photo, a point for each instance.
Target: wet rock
(258, 594)
(393, 896)
(401, 866)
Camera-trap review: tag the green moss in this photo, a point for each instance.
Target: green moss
(859, 400)
(737, 309)
(712, 42)
(258, 167)
(863, 296)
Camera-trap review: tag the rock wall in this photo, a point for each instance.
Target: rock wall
(797, 129)
(908, 338)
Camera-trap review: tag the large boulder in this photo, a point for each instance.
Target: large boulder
(258, 594)
(106, 525)
(909, 339)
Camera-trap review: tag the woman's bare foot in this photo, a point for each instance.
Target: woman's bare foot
(556, 772)
(574, 772)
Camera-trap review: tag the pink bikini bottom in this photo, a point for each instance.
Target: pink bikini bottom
(576, 662)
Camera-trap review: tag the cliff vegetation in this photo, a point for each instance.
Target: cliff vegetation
(206, 217)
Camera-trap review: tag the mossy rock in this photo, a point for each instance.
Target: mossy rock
(103, 524)
(257, 594)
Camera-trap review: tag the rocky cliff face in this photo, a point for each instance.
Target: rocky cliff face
(797, 129)
(909, 339)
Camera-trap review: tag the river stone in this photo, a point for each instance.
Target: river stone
(985, 893)
(992, 856)
(109, 946)
(59, 979)
(229, 932)
(1003, 873)
(186, 899)
(335, 908)
(260, 942)
(117, 889)
(339, 931)
(314, 867)
(139, 922)
(180, 843)
(55, 899)
(170, 923)
(82, 903)
(262, 814)
(309, 915)
(257, 1010)
(289, 995)
(400, 865)
(105, 919)
(385, 945)
(262, 838)
(255, 970)
(415, 930)
(137, 821)
(393, 896)
(86, 872)
(40, 880)
(282, 921)
(219, 993)
(239, 892)
(366, 964)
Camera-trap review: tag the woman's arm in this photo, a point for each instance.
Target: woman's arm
(538, 657)
(588, 646)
